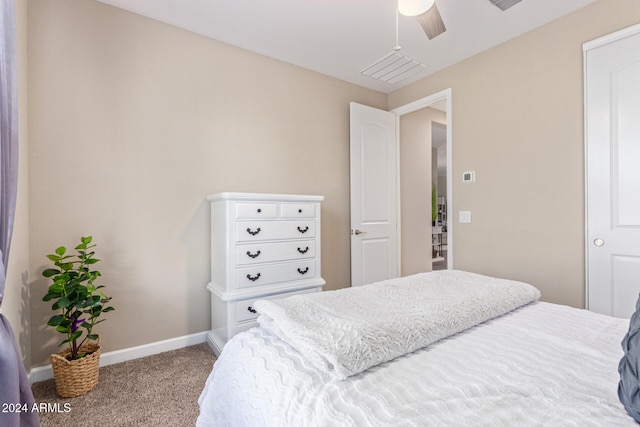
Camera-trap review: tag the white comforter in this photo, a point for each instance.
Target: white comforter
(542, 364)
(347, 331)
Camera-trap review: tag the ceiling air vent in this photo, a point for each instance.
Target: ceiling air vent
(393, 68)
(504, 4)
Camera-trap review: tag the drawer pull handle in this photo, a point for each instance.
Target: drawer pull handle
(253, 233)
(305, 271)
(299, 210)
(252, 310)
(253, 278)
(259, 211)
(303, 251)
(253, 255)
(303, 230)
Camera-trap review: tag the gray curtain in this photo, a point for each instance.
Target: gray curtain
(15, 390)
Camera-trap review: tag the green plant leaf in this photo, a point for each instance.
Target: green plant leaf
(104, 310)
(50, 272)
(56, 320)
(62, 329)
(66, 266)
(50, 295)
(63, 302)
(54, 258)
(61, 250)
(74, 336)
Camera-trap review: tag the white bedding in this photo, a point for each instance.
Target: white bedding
(542, 364)
(347, 331)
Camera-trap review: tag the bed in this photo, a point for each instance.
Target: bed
(491, 358)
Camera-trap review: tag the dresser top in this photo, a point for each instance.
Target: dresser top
(265, 197)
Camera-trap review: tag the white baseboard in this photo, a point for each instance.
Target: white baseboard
(42, 373)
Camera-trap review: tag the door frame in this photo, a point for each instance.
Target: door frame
(444, 95)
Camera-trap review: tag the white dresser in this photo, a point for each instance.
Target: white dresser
(262, 246)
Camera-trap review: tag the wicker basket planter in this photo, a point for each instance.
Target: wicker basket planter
(74, 378)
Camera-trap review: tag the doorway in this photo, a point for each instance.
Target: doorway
(374, 157)
(416, 240)
(439, 185)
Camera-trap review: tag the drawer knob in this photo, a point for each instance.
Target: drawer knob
(253, 233)
(252, 310)
(305, 271)
(299, 210)
(303, 230)
(253, 255)
(253, 278)
(303, 251)
(259, 210)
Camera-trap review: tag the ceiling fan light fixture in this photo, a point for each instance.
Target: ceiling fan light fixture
(414, 7)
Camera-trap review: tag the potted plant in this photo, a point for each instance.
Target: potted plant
(78, 303)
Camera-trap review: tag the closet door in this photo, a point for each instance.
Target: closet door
(612, 143)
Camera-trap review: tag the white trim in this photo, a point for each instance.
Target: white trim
(42, 373)
(610, 38)
(410, 108)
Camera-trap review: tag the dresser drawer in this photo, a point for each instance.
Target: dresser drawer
(241, 327)
(297, 210)
(256, 210)
(272, 230)
(254, 253)
(266, 274)
(245, 307)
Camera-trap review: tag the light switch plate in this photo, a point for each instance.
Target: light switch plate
(464, 217)
(469, 176)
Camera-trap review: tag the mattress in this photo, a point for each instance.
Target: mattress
(541, 364)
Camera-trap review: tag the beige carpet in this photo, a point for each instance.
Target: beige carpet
(159, 390)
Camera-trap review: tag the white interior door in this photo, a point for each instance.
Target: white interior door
(374, 225)
(612, 112)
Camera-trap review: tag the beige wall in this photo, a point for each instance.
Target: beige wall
(518, 122)
(416, 159)
(133, 123)
(16, 302)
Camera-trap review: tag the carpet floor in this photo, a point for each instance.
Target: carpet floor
(158, 390)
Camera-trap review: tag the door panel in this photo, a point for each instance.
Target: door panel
(373, 165)
(612, 141)
(625, 146)
(374, 250)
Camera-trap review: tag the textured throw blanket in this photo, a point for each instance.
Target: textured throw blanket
(347, 331)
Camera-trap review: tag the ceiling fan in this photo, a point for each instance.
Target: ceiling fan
(426, 12)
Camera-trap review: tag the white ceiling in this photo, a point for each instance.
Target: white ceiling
(339, 38)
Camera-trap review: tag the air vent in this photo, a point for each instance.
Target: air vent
(504, 4)
(393, 68)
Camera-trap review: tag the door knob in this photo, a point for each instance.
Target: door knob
(357, 232)
(598, 242)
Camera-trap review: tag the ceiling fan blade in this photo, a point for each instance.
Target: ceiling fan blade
(431, 22)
